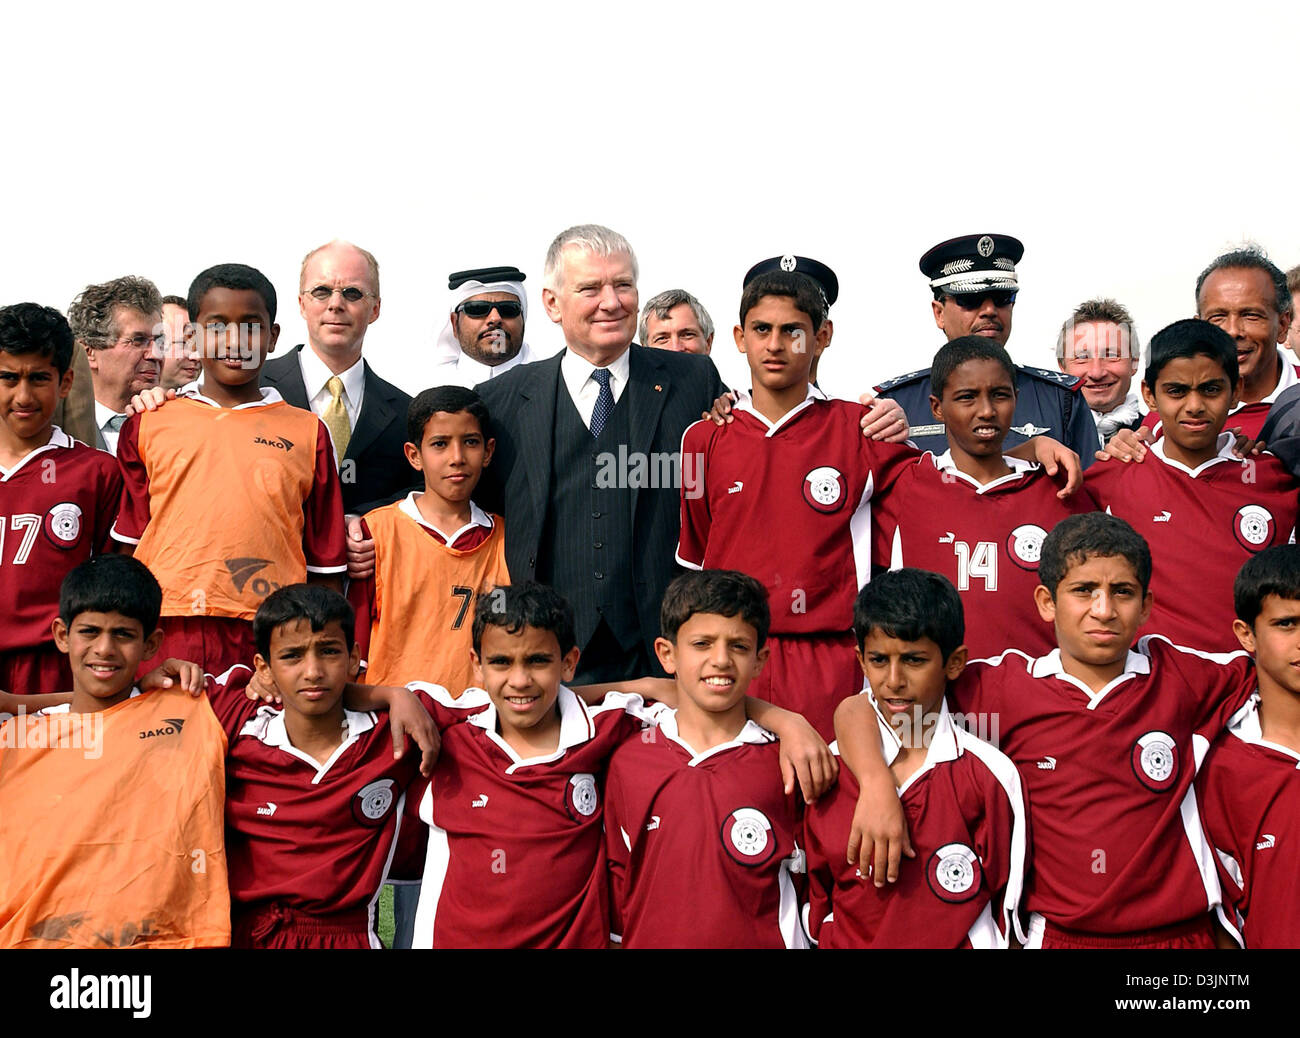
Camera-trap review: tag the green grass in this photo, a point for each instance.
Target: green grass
(386, 916)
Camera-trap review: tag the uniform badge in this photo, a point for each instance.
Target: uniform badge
(824, 489)
(747, 836)
(984, 246)
(62, 525)
(1029, 430)
(1253, 527)
(788, 263)
(954, 873)
(1155, 761)
(372, 802)
(1025, 545)
(581, 798)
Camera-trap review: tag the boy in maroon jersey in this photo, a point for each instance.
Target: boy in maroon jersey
(58, 497)
(792, 461)
(518, 790)
(1192, 490)
(701, 838)
(962, 797)
(1107, 739)
(1249, 785)
(972, 513)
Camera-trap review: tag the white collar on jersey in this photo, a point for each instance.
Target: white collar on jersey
(269, 396)
(267, 726)
(58, 438)
(1244, 724)
(477, 517)
(1226, 442)
(751, 733)
(745, 402)
(943, 740)
(1050, 666)
(944, 463)
(576, 727)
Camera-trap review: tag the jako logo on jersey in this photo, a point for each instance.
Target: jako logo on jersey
(268, 810)
(1155, 761)
(747, 836)
(1268, 841)
(1253, 527)
(171, 726)
(241, 570)
(1047, 764)
(653, 824)
(824, 489)
(948, 538)
(62, 525)
(280, 441)
(954, 873)
(372, 802)
(1025, 545)
(581, 798)
(1029, 430)
(1163, 517)
(480, 802)
(736, 488)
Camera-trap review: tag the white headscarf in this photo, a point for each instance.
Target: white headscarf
(447, 349)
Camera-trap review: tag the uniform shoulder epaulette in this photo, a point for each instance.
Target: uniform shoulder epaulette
(1059, 378)
(902, 380)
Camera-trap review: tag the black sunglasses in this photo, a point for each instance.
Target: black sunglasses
(974, 300)
(480, 308)
(323, 292)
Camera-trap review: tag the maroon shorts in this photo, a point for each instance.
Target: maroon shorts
(215, 643)
(1194, 933)
(810, 674)
(35, 671)
(279, 926)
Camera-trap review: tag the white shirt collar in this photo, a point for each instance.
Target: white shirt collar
(944, 463)
(942, 747)
(477, 517)
(576, 727)
(58, 438)
(1226, 442)
(315, 373)
(461, 369)
(1286, 379)
(1244, 724)
(751, 733)
(745, 402)
(268, 726)
(269, 396)
(1050, 666)
(577, 370)
(103, 414)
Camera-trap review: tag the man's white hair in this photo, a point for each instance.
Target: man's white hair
(600, 241)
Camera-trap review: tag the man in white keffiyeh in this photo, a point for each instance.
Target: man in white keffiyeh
(1099, 345)
(484, 333)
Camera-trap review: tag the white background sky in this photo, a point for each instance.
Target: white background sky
(1125, 143)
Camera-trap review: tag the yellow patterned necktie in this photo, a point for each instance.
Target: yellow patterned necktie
(336, 418)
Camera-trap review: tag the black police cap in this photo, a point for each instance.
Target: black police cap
(974, 263)
(485, 275)
(812, 268)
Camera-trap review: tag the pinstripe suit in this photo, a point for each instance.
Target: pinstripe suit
(665, 393)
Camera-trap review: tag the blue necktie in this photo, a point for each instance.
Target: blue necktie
(604, 402)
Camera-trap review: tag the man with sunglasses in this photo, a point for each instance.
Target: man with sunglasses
(974, 283)
(338, 297)
(484, 334)
(118, 325)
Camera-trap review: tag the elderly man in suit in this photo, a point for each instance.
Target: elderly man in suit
(586, 466)
(338, 296)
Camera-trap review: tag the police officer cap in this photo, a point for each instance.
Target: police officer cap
(974, 263)
(819, 272)
(485, 275)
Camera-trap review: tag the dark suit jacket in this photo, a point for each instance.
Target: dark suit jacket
(667, 392)
(380, 472)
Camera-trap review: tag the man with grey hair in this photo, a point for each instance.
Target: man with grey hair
(587, 466)
(118, 324)
(676, 320)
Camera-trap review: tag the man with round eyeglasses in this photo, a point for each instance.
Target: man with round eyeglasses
(484, 334)
(973, 279)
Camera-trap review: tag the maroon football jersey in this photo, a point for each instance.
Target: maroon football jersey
(57, 506)
(1118, 845)
(985, 539)
(966, 819)
(702, 846)
(315, 837)
(1249, 794)
(1202, 526)
(516, 856)
(789, 504)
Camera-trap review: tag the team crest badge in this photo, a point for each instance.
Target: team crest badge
(824, 489)
(581, 798)
(1155, 761)
(954, 873)
(372, 802)
(62, 525)
(985, 246)
(1253, 527)
(1025, 545)
(747, 836)
(788, 263)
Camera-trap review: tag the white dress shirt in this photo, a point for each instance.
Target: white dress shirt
(102, 417)
(315, 376)
(583, 389)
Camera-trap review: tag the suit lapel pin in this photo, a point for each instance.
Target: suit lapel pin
(659, 389)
